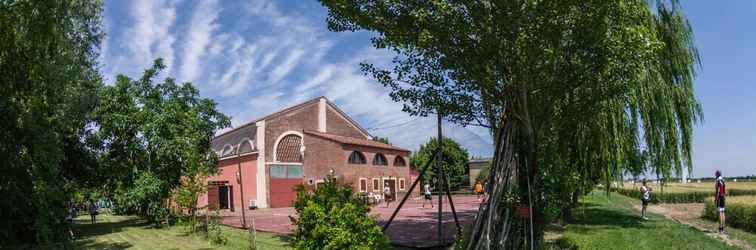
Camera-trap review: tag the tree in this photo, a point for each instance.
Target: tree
(48, 52)
(333, 217)
(566, 87)
(381, 139)
(152, 135)
(454, 161)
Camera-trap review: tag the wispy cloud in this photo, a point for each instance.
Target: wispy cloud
(265, 57)
(200, 29)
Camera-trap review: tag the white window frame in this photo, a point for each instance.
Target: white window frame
(402, 184)
(377, 188)
(359, 185)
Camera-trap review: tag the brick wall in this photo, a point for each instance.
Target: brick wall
(323, 155)
(304, 118)
(337, 125)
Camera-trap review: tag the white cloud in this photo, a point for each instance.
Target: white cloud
(200, 28)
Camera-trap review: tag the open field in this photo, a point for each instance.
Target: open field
(611, 222)
(686, 193)
(740, 211)
(128, 232)
(676, 187)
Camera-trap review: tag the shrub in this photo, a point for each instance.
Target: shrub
(740, 211)
(333, 217)
(681, 197)
(214, 230)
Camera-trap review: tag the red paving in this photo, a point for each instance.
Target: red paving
(413, 226)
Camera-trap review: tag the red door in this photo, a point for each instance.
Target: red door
(283, 179)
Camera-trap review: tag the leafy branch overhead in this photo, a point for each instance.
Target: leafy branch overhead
(572, 91)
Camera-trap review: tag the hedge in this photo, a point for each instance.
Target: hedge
(739, 215)
(686, 197)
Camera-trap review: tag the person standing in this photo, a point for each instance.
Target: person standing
(387, 196)
(719, 199)
(427, 194)
(93, 211)
(478, 189)
(645, 198)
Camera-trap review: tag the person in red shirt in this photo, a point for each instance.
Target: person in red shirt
(719, 199)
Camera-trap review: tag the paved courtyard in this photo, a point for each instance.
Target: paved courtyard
(413, 226)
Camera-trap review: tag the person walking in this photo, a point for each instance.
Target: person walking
(93, 211)
(478, 189)
(645, 198)
(427, 197)
(387, 196)
(719, 199)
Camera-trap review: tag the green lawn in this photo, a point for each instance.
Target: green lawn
(611, 223)
(127, 232)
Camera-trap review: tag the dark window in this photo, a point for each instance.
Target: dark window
(376, 185)
(401, 184)
(380, 160)
(399, 162)
(357, 158)
(228, 150)
(363, 185)
(245, 147)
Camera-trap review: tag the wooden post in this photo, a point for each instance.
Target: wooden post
(241, 187)
(439, 183)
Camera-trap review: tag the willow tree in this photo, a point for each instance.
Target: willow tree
(571, 90)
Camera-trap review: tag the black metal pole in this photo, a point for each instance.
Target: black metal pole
(423, 169)
(439, 183)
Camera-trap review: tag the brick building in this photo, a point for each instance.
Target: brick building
(301, 144)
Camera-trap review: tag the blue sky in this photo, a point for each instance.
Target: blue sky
(255, 57)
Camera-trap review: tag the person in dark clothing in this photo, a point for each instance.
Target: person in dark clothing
(93, 211)
(719, 199)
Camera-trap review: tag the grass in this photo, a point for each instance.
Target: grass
(611, 222)
(676, 187)
(128, 232)
(740, 211)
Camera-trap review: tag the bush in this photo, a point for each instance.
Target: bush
(685, 197)
(214, 230)
(333, 217)
(739, 214)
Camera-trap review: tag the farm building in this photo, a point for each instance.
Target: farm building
(301, 144)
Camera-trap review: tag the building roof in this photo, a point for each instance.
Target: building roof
(354, 141)
(235, 135)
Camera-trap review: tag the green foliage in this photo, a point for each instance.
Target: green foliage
(739, 214)
(215, 231)
(454, 161)
(49, 79)
(333, 217)
(381, 139)
(566, 88)
(153, 134)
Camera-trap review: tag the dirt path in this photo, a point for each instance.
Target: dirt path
(689, 214)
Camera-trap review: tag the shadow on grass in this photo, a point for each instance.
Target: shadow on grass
(91, 244)
(596, 216)
(102, 228)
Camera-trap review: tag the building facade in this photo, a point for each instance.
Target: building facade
(262, 161)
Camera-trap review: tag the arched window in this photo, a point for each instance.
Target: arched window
(399, 161)
(246, 146)
(289, 149)
(357, 158)
(228, 150)
(380, 160)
